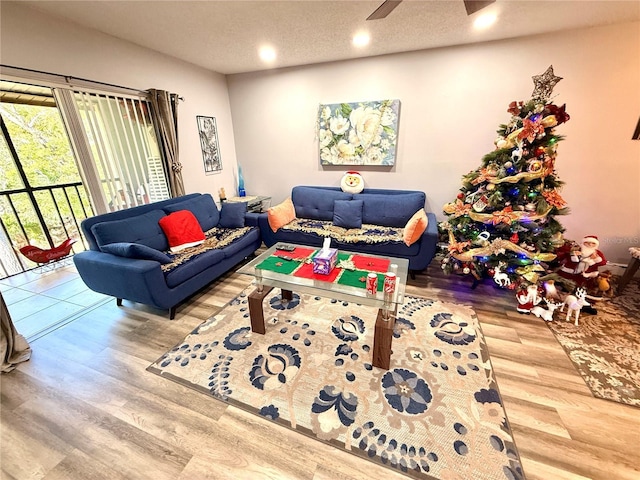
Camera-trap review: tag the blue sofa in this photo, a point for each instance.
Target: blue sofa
(140, 269)
(385, 208)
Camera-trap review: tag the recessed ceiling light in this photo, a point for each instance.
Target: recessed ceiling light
(267, 54)
(361, 39)
(485, 21)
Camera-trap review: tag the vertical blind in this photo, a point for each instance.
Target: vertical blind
(118, 149)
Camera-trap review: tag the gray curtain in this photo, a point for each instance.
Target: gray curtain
(165, 117)
(13, 346)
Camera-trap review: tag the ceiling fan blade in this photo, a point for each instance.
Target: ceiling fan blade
(473, 6)
(383, 10)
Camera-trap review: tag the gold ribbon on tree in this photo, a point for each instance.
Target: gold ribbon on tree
(498, 246)
(484, 175)
(506, 216)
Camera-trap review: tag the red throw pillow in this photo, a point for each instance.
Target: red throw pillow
(182, 230)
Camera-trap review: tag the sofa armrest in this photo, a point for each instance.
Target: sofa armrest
(251, 219)
(428, 244)
(136, 280)
(268, 235)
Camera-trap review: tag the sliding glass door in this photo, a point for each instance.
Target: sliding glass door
(66, 154)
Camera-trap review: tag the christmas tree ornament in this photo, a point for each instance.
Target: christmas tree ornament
(544, 85)
(466, 270)
(483, 238)
(534, 166)
(491, 187)
(516, 155)
(508, 164)
(480, 204)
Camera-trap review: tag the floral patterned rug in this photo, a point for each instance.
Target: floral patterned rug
(605, 348)
(436, 413)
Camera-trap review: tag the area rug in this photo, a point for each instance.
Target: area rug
(436, 414)
(605, 348)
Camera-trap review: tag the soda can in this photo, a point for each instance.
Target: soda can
(372, 283)
(389, 282)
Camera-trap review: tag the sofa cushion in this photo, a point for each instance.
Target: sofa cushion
(390, 210)
(193, 267)
(281, 214)
(136, 250)
(203, 207)
(241, 243)
(232, 214)
(182, 230)
(317, 203)
(347, 213)
(143, 229)
(415, 227)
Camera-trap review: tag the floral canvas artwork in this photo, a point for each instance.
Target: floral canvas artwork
(361, 133)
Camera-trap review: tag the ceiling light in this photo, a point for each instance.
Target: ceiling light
(267, 54)
(361, 39)
(485, 21)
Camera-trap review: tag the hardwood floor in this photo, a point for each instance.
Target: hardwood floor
(85, 408)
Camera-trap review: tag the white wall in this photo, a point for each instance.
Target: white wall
(33, 40)
(452, 102)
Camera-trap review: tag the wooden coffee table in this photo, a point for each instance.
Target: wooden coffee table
(266, 280)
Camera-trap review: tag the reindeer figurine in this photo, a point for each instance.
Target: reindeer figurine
(546, 315)
(500, 277)
(575, 303)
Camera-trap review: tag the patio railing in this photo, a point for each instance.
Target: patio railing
(43, 217)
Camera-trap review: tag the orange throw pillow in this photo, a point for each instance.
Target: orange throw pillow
(415, 227)
(281, 214)
(182, 230)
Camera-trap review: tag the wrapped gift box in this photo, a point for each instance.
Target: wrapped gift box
(325, 261)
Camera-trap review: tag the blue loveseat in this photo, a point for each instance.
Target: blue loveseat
(388, 209)
(128, 255)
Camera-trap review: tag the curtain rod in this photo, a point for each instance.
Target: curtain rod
(70, 80)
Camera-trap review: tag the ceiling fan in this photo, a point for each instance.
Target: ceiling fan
(388, 6)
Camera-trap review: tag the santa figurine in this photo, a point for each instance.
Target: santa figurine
(580, 265)
(527, 299)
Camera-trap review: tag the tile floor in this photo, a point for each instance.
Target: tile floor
(38, 302)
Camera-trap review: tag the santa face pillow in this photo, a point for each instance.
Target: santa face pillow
(352, 182)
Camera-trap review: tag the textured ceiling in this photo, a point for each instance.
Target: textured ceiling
(224, 36)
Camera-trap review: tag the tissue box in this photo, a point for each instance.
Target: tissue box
(325, 261)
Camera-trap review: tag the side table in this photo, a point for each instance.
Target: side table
(632, 268)
(255, 203)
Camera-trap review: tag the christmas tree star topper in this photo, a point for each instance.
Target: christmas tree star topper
(544, 84)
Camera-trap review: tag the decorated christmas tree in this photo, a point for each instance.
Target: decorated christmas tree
(502, 223)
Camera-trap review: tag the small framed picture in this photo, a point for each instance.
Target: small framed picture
(208, 132)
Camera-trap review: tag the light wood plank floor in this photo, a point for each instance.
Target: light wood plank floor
(85, 408)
